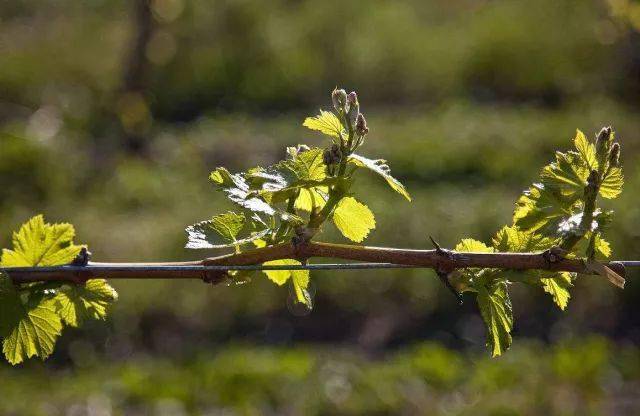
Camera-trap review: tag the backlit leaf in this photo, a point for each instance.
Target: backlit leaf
(586, 149)
(611, 185)
(495, 308)
(354, 219)
(78, 303)
(380, 167)
(29, 325)
(40, 244)
(312, 197)
(567, 175)
(541, 209)
(327, 123)
(304, 169)
(512, 239)
(222, 230)
(240, 192)
(299, 278)
(557, 285)
(473, 246)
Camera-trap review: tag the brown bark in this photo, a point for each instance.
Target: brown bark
(440, 260)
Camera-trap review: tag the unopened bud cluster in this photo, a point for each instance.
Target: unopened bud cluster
(339, 98)
(332, 155)
(614, 155)
(349, 106)
(603, 138)
(606, 148)
(361, 125)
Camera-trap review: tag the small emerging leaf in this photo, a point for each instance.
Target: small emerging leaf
(327, 123)
(354, 219)
(30, 322)
(311, 198)
(557, 285)
(299, 278)
(586, 149)
(279, 277)
(473, 246)
(611, 185)
(602, 246)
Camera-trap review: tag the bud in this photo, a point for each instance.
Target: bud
(352, 98)
(602, 139)
(326, 157)
(614, 156)
(353, 107)
(332, 156)
(592, 179)
(361, 125)
(339, 98)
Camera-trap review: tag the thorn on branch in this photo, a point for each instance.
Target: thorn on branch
(439, 249)
(444, 278)
(443, 272)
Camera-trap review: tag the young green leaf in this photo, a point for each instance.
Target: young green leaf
(586, 149)
(304, 169)
(240, 192)
(495, 308)
(514, 240)
(299, 278)
(557, 285)
(473, 246)
(380, 167)
(354, 219)
(77, 303)
(310, 198)
(612, 182)
(279, 277)
(31, 321)
(300, 282)
(221, 231)
(40, 244)
(602, 246)
(540, 209)
(29, 325)
(326, 123)
(567, 175)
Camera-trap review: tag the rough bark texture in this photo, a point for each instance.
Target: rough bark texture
(440, 260)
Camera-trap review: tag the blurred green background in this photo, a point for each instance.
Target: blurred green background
(113, 112)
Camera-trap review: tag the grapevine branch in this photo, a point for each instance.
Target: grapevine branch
(281, 208)
(213, 269)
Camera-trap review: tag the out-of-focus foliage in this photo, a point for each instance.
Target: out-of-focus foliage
(219, 54)
(453, 90)
(586, 376)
